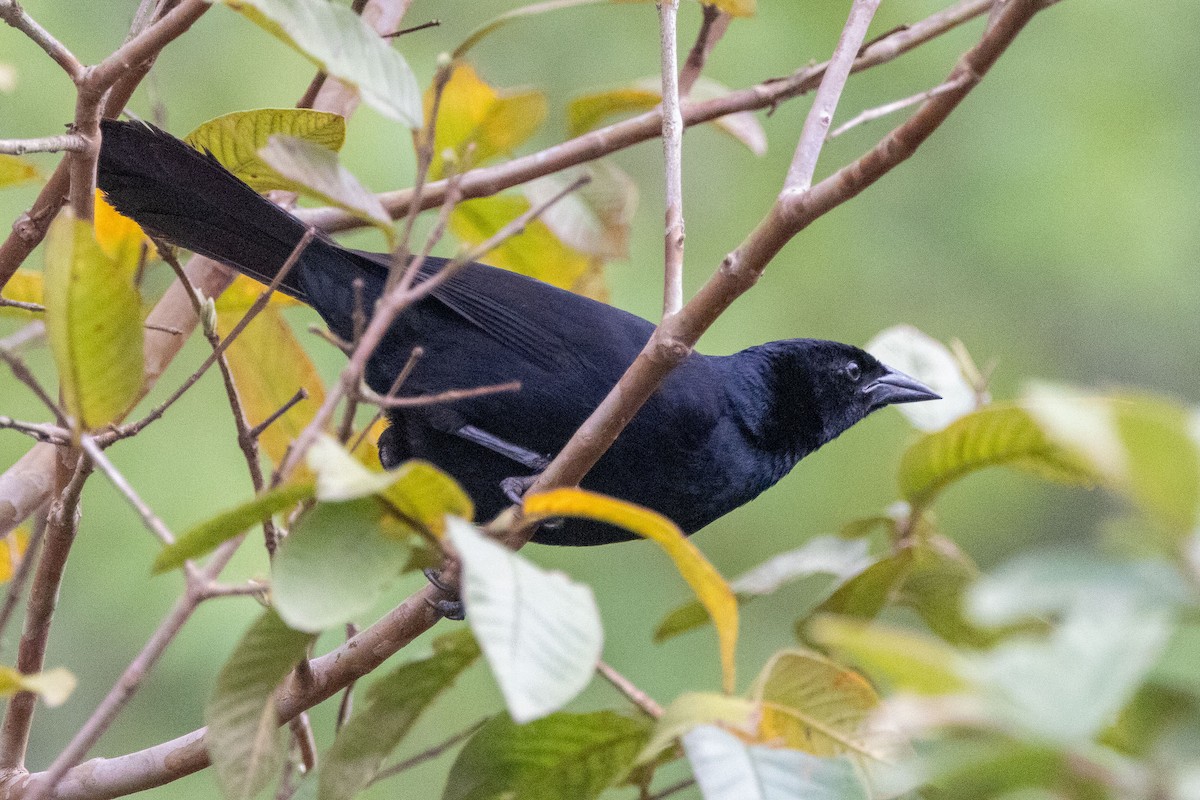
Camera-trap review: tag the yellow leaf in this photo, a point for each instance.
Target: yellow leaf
(235, 139)
(710, 588)
(14, 170)
(472, 112)
(536, 252)
(120, 237)
(12, 549)
(24, 287)
(737, 8)
(586, 112)
(93, 322)
(242, 293)
(269, 366)
(54, 686)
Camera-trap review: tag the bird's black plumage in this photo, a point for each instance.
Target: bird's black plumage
(717, 433)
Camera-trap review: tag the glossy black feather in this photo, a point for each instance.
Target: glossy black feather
(719, 432)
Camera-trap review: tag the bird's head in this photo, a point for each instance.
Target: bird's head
(822, 388)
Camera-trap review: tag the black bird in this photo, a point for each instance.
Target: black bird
(718, 432)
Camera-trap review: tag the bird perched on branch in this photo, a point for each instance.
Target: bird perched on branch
(719, 431)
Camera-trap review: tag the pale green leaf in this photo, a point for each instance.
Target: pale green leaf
(54, 686)
(243, 739)
(314, 171)
(235, 139)
(387, 713)
(693, 709)
(726, 768)
(343, 45)
(336, 563)
(94, 323)
(1000, 434)
(205, 537)
(563, 755)
(907, 660)
(539, 630)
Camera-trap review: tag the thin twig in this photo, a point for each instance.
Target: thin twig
(639, 698)
(433, 23)
(149, 518)
(346, 706)
(306, 743)
(62, 524)
(25, 376)
(898, 105)
(667, 791)
(17, 583)
(448, 396)
(41, 431)
(428, 755)
(405, 371)
(251, 588)
(672, 136)
(257, 430)
(21, 304)
(712, 28)
(820, 115)
(12, 13)
(67, 142)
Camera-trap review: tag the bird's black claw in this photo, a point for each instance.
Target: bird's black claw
(450, 609)
(515, 488)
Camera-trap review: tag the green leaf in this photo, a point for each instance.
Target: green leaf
(14, 170)
(205, 537)
(1145, 447)
(915, 353)
(563, 755)
(236, 139)
(812, 704)
(824, 555)
(314, 171)
(539, 630)
(726, 768)
(94, 323)
(342, 44)
(1000, 434)
(980, 768)
(386, 714)
(335, 564)
(54, 686)
(907, 660)
(243, 739)
(693, 709)
(1070, 685)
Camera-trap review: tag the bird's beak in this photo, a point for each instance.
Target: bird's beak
(896, 387)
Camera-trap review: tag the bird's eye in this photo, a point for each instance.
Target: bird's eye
(853, 371)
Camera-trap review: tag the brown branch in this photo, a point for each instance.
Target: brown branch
(38, 430)
(45, 144)
(486, 181)
(672, 137)
(17, 583)
(151, 520)
(635, 695)
(712, 28)
(63, 520)
(429, 754)
(257, 430)
(448, 396)
(12, 13)
(25, 376)
(872, 114)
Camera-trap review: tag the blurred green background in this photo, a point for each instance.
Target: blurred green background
(1050, 225)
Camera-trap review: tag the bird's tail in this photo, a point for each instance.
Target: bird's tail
(186, 197)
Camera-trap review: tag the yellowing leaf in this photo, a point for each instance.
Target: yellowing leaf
(586, 112)
(242, 294)
(473, 113)
(235, 139)
(14, 170)
(536, 252)
(24, 286)
(120, 237)
(12, 549)
(54, 686)
(737, 8)
(269, 366)
(693, 709)
(93, 322)
(910, 661)
(710, 588)
(812, 704)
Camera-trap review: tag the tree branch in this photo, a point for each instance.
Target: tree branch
(46, 144)
(672, 137)
(12, 13)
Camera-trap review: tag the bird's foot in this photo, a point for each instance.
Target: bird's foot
(515, 488)
(451, 607)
